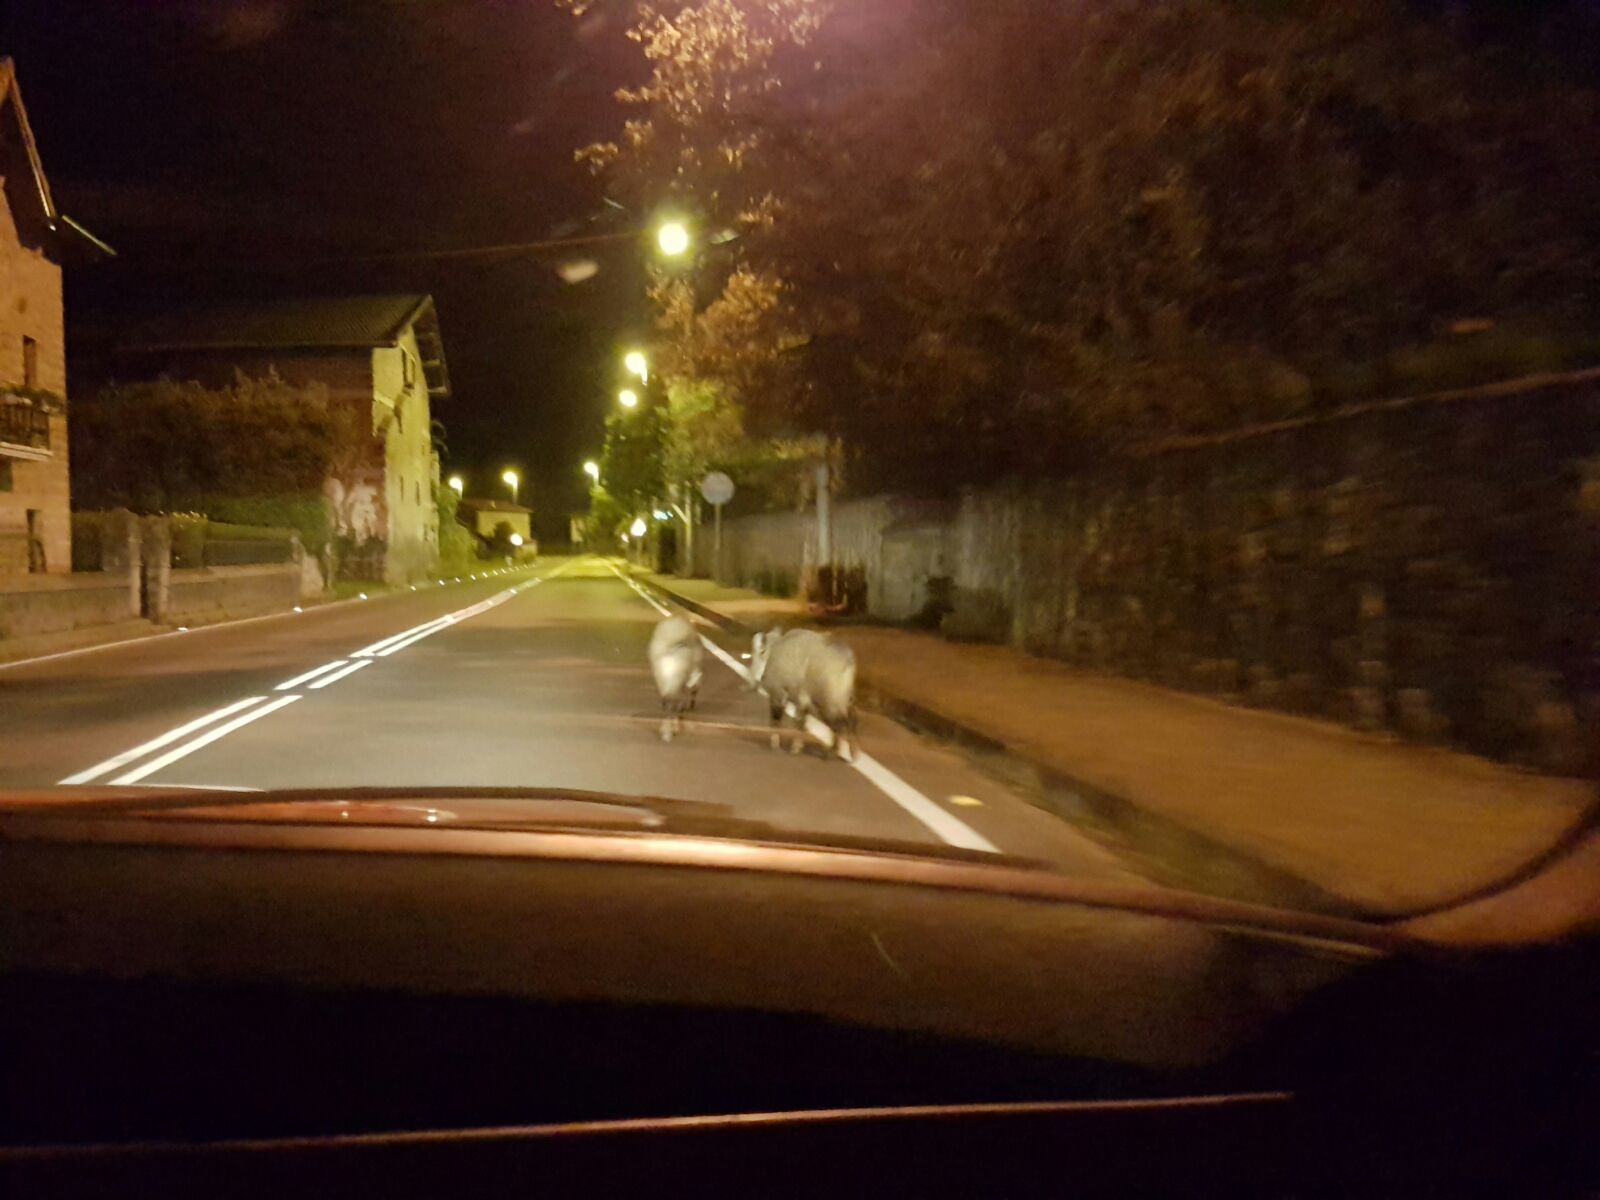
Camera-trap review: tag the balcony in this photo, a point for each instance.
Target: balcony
(24, 429)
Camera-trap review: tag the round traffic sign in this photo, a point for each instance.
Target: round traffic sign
(717, 488)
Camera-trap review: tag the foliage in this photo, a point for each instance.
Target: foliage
(500, 543)
(458, 547)
(606, 516)
(631, 466)
(151, 446)
(306, 514)
(971, 242)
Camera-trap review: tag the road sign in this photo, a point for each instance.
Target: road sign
(717, 488)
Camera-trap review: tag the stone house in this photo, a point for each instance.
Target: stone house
(483, 517)
(35, 239)
(383, 353)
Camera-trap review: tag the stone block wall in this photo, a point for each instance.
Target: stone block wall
(1428, 568)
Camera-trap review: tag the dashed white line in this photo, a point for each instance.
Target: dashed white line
(327, 673)
(205, 739)
(950, 828)
(166, 739)
(289, 684)
(351, 669)
(370, 651)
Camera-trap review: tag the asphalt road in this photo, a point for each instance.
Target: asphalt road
(537, 679)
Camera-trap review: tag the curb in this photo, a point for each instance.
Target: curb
(1169, 850)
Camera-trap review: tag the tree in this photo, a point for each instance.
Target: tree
(457, 546)
(971, 244)
(500, 543)
(156, 447)
(631, 465)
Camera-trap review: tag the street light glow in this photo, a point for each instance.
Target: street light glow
(511, 479)
(516, 539)
(673, 238)
(592, 470)
(638, 527)
(637, 364)
(629, 398)
(457, 484)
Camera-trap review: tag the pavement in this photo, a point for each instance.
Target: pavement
(526, 678)
(1203, 794)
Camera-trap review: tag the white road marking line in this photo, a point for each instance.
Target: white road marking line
(287, 684)
(950, 828)
(205, 739)
(139, 751)
(338, 675)
(416, 637)
(369, 651)
(407, 637)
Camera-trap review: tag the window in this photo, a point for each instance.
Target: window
(5, 475)
(416, 489)
(30, 362)
(409, 369)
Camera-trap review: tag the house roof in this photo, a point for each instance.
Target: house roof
(500, 506)
(62, 232)
(338, 322)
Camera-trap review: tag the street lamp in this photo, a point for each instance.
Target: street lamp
(638, 528)
(457, 484)
(672, 238)
(511, 479)
(628, 398)
(637, 364)
(592, 470)
(516, 539)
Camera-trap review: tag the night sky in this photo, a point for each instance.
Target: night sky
(263, 147)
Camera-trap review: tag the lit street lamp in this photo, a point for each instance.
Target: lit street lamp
(637, 364)
(673, 238)
(592, 470)
(457, 484)
(516, 539)
(511, 479)
(628, 398)
(638, 528)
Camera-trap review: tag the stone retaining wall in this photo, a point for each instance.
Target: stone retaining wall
(1428, 567)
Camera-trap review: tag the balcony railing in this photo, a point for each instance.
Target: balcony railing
(24, 426)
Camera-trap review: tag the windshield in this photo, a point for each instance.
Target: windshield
(1155, 442)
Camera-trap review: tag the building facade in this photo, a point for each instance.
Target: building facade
(35, 483)
(382, 354)
(483, 517)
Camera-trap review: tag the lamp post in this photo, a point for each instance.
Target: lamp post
(672, 239)
(628, 398)
(637, 364)
(511, 479)
(592, 470)
(458, 485)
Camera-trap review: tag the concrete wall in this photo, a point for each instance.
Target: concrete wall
(778, 551)
(36, 604)
(216, 593)
(30, 305)
(1428, 568)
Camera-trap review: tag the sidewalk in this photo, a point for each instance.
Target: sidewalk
(1362, 824)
